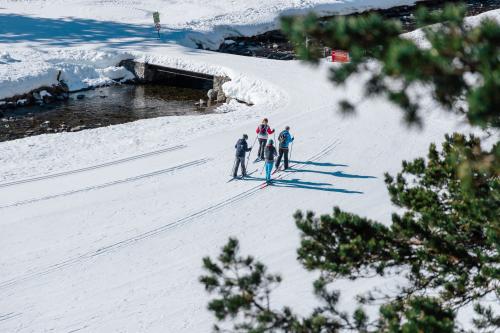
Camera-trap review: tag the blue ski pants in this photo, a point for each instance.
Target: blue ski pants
(269, 168)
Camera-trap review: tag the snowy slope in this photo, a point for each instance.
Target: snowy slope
(36, 34)
(126, 256)
(110, 236)
(186, 21)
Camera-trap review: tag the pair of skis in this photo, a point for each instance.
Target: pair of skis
(251, 173)
(280, 175)
(246, 164)
(267, 183)
(242, 177)
(277, 170)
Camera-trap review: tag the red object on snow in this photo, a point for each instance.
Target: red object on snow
(340, 56)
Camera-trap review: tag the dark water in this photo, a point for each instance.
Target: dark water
(100, 107)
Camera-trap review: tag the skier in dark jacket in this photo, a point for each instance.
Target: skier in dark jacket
(241, 149)
(284, 141)
(263, 131)
(269, 154)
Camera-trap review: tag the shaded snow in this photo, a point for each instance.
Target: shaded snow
(186, 21)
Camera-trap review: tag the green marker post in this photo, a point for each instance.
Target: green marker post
(156, 19)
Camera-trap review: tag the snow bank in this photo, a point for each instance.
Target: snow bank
(5, 58)
(179, 63)
(29, 69)
(475, 20)
(252, 91)
(79, 77)
(25, 75)
(418, 35)
(255, 17)
(242, 87)
(22, 70)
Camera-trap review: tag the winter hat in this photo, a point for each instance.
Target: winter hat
(287, 128)
(245, 136)
(270, 142)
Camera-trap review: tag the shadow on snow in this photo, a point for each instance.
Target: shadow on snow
(318, 164)
(335, 174)
(297, 183)
(72, 31)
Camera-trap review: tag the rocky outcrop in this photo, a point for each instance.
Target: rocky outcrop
(217, 88)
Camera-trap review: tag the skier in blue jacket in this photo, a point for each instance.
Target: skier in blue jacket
(285, 138)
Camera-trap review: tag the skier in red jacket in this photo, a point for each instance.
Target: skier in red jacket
(263, 131)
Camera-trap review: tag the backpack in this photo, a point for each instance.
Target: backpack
(282, 137)
(269, 152)
(262, 129)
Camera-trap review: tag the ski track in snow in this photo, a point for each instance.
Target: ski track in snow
(8, 316)
(116, 182)
(144, 236)
(94, 167)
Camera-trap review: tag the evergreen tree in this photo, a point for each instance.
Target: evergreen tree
(446, 241)
(459, 64)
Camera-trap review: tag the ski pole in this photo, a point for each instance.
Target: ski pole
(291, 149)
(254, 141)
(250, 152)
(248, 160)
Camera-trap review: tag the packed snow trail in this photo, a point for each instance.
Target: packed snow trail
(115, 182)
(93, 167)
(128, 242)
(75, 232)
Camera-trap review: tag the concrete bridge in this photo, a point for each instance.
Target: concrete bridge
(148, 73)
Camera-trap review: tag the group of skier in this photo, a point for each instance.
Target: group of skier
(267, 150)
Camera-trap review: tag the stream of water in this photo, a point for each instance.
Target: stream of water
(100, 107)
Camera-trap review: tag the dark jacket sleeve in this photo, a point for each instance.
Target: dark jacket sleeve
(245, 146)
